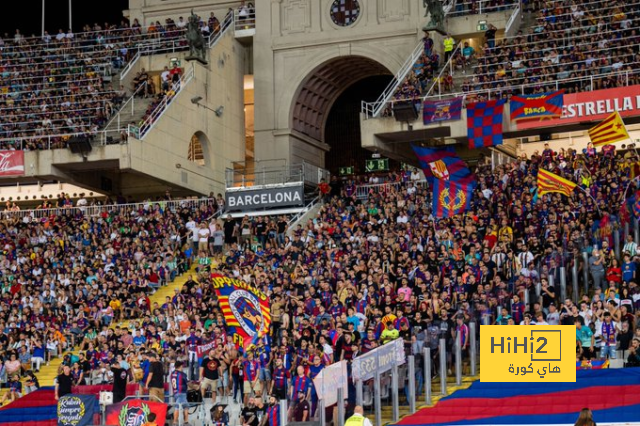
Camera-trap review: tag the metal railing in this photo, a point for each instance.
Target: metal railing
(94, 210)
(462, 8)
(101, 137)
(131, 101)
(295, 219)
(274, 174)
(447, 66)
(162, 107)
(245, 19)
(374, 109)
(512, 19)
(366, 190)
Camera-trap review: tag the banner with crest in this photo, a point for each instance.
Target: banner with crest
(135, 412)
(77, 410)
(246, 310)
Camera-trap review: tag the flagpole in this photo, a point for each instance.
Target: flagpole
(624, 195)
(590, 196)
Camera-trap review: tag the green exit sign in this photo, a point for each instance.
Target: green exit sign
(346, 171)
(377, 165)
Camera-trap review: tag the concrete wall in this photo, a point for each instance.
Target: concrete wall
(219, 84)
(467, 25)
(147, 11)
(295, 37)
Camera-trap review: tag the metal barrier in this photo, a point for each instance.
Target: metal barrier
(244, 19)
(95, 210)
(364, 191)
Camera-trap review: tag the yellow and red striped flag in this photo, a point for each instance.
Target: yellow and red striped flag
(610, 130)
(550, 182)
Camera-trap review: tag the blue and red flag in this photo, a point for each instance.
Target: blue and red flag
(246, 310)
(484, 123)
(450, 197)
(541, 105)
(442, 163)
(613, 395)
(442, 110)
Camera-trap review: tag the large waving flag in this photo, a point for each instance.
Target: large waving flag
(550, 182)
(246, 310)
(610, 130)
(542, 105)
(442, 163)
(484, 123)
(451, 198)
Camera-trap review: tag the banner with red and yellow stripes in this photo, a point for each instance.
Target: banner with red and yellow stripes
(246, 310)
(550, 182)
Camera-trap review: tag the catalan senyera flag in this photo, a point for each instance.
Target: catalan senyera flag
(550, 182)
(610, 130)
(246, 310)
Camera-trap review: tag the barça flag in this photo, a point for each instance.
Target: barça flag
(541, 105)
(484, 123)
(550, 182)
(451, 198)
(135, 412)
(609, 131)
(443, 110)
(441, 163)
(246, 310)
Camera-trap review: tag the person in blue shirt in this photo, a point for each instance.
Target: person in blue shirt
(273, 412)
(179, 388)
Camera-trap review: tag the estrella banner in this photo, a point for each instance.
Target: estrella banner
(451, 197)
(246, 310)
(135, 412)
(484, 123)
(76, 410)
(541, 105)
(442, 110)
(441, 163)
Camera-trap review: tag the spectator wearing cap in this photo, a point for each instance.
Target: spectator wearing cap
(301, 410)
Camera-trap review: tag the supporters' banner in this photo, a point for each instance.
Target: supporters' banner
(609, 131)
(202, 350)
(551, 182)
(542, 105)
(594, 364)
(76, 410)
(246, 310)
(451, 198)
(441, 163)
(592, 107)
(329, 380)
(379, 360)
(135, 412)
(484, 123)
(443, 110)
(11, 163)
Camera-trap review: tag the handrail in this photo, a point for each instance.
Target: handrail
(512, 18)
(122, 107)
(129, 66)
(294, 219)
(438, 79)
(102, 134)
(247, 23)
(98, 209)
(162, 107)
(399, 78)
(224, 26)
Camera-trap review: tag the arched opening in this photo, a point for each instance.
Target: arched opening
(196, 154)
(342, 128)
(340, 84)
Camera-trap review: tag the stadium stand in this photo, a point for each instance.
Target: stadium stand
(56, 86)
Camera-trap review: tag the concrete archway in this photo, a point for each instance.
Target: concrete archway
(199, 151)
(322, 86)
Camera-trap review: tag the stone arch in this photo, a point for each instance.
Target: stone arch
(322, 82)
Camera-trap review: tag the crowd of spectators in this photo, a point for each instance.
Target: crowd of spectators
(55, 86)
(366, 270)
(574, 46)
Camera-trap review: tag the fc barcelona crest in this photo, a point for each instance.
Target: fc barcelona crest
(439, 169)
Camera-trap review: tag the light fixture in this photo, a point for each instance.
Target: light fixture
(218, 111)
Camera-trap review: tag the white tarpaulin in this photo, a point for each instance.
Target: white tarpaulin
(329, 380)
